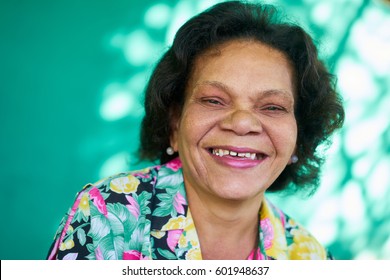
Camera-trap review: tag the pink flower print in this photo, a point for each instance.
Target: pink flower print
(99, 253)
(256, 253)
(143, 173)
(268, 232)
(133, 206)
(98, 200)
(283, 219)
(173, 238)
(133, 255)
(76, 204)
(178, 202)
(174, 164)
(71, 214)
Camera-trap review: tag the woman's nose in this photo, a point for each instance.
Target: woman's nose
(242, 122)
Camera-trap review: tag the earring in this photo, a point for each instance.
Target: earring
(170, 151)
(294, 159)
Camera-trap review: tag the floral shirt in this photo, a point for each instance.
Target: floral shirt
(145, 215)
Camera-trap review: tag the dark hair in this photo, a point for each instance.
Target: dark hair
(319, 111)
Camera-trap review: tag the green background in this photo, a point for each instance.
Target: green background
(72, 74)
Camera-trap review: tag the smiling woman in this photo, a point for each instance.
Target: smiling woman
(237, 106)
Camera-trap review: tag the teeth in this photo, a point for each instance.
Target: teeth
(221, 153)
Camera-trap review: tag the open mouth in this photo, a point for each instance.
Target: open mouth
(234, 154)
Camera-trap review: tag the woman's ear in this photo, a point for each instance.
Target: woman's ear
(174, 116)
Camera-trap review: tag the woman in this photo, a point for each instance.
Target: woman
(237, 106)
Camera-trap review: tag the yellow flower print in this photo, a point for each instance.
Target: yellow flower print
(158, 234)
(305, 247)
(190, 238)
(194, 243)
(68, 244)
(194, 254)
(69, 230)
(292, 223)
(128, 184)
(279, 243)
(182, 241)
(274, 234)
(84, 205)
(175, 223)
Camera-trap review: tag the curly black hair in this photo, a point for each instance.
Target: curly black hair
(319, 110)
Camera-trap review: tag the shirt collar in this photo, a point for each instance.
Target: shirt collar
(169, 203)
(171, 212)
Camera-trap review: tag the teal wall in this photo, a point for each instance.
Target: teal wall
(72, 75)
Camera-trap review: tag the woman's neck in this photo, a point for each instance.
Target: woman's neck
(226, 229)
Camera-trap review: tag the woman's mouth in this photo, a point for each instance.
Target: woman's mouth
(237, 154)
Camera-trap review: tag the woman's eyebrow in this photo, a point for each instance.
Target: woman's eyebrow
(216, 84)
(277, 92)
(261, 93)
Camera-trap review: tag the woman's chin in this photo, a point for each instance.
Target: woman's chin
(238, 194)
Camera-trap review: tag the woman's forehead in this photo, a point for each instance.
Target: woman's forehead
(246, 62)
(218, 56)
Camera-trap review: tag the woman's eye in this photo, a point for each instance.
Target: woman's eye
(212, 101)
(273, 108)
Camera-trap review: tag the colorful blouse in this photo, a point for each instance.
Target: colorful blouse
(145, 215)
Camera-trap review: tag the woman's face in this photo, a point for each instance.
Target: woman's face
(237, 130)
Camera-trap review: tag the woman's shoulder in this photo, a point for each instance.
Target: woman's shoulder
(115, 203)
(125, 183)
(134, 187)
(300, 242)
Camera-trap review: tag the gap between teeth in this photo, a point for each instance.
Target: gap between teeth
(221, 153)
